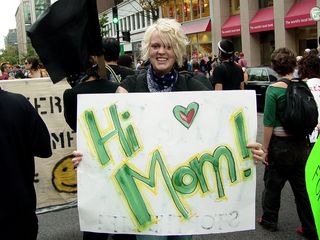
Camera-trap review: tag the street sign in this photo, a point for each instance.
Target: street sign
(315, 13)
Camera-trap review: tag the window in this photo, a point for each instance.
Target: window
(265, 3)
(235, 7)
(124, 26)
(138, 20)
(164, 9)
(133, 20)
(205, 12)
(143, 19)
(148, 18)
(179, 11)
(171, 13)
(129, 23)
(186, 10)
(195, 9)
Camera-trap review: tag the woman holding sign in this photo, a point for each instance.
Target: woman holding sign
(164, 46)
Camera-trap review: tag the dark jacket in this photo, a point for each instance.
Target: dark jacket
(185, 82)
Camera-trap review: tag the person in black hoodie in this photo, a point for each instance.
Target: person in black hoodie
(24, 135)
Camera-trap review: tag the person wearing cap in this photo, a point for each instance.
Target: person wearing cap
(228, 75)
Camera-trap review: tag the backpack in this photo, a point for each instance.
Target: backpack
(300, 116)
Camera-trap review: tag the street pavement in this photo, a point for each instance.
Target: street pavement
(64, 225)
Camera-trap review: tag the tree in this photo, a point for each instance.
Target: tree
(103, 23)
(9, 54)
(152, 6)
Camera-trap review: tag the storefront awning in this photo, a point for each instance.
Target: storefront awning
(262, 21)
(202, 25)
(299, 14)
(231, 27)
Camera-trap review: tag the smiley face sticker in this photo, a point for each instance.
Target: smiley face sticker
(64, 177)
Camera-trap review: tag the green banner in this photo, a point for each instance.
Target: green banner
(313, 182)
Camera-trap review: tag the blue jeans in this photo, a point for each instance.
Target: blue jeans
(151, 237)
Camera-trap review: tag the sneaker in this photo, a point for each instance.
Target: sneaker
(270, 226)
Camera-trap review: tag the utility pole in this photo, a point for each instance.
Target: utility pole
(115, 18)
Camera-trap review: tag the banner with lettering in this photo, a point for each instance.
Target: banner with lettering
(55, 180)
(167, 163)
(312, 171)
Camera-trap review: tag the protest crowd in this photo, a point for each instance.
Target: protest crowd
(163, 67)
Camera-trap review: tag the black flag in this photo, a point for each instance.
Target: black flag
(65, 35)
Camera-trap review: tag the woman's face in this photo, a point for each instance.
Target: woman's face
(27, 65)
(162, 57)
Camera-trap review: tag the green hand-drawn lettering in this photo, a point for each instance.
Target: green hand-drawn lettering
(125, 178)
(215, 159)
(241, 134)
(128, 143)
(178, 180)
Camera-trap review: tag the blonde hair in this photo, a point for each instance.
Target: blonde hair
(171, 34)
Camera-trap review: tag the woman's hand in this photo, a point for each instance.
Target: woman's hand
(258, 153)
(77, 158)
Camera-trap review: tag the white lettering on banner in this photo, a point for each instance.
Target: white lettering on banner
(269, 25)
(55, 181)
(299, 20)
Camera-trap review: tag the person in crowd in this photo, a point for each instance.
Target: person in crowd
(139, 63)
(306, 52)
(242, 61)
(236, 57)
(196, 68)
(228, 75)
(209, 66)
(203, 64)
(111, 49)
(33, 68)
(5, 70)
(164, 45)
(125, 61)
(43, 70)
(309, 70)
(184, 72)
(23, 136)
(18, 73)
(286, 154)
(91, 83)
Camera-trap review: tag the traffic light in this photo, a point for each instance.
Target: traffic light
(115, 18)
(126, 36)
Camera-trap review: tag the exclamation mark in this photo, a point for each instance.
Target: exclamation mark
(242, 140)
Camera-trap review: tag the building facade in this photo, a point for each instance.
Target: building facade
(256, 27)
(23, 23)
(27, 13)
(11, 38)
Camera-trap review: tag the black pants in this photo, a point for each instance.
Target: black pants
(287, 159)
(20, 226)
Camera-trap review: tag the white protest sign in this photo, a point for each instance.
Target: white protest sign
(55, 180)
(167, 163)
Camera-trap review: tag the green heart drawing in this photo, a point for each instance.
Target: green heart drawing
(186, 115)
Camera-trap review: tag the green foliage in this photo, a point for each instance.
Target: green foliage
(152, 6)
(103, 23)
(10, 54)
